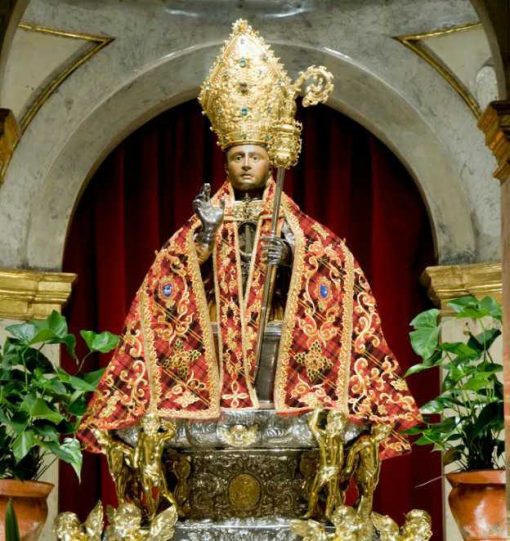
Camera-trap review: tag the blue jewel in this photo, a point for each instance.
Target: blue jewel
(244, 111)
(242, 62)
(167, 290)
(323, 290)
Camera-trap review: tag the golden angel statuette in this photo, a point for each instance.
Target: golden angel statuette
(338, 464)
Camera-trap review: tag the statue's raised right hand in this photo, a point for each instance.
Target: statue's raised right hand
(210, 215)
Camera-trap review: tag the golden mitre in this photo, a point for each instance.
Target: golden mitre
(249, 98)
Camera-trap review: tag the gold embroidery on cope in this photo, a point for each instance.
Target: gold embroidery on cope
(283, 362)
(212, 376)
(150, 352)
(181, 359)
(315, 362)
(132, 339)
(346, 348)
(133, 379)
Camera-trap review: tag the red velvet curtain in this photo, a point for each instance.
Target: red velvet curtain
(346, 179)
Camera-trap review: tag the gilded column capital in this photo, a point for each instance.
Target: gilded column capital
(9, 135)
(495, 124)
(27, 294)
(447, 282)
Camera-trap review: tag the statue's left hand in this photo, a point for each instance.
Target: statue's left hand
(275, 251)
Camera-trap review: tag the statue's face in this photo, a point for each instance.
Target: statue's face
(248, 167)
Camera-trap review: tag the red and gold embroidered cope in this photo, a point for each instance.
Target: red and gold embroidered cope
(332, 351)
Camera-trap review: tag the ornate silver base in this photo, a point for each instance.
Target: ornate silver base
(247, 529)
(243, 476)
(244, 429)
(254, 483)
(241, 529)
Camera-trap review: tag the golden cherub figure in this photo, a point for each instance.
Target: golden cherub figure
(386, 527)
(417, 527)
(126, 524)
(347, 524)
(147, 458)
(309, 530)
(331, 454)
(120, 458)
(67, 526)
(363, 463)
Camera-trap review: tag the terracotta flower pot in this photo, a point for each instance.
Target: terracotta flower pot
(478, 504)
(29, 500)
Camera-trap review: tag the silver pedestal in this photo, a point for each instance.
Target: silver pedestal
(248, 529)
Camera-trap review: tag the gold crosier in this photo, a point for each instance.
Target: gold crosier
(249, 99)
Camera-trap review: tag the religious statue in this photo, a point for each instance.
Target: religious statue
(149, 467)
(364, 465)
(247, 249)
(331, 452)
(247, 256)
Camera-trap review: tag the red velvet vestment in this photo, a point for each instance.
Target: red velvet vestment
(332, 351)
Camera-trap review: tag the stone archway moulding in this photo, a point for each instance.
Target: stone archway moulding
(361, 95)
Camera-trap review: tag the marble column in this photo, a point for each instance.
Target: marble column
(495, 123)
(445, 283)
(24, 295)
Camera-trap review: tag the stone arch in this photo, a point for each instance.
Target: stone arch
(360, 94)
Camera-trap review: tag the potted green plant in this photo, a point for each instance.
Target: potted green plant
(465, 421)
(41, 406)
